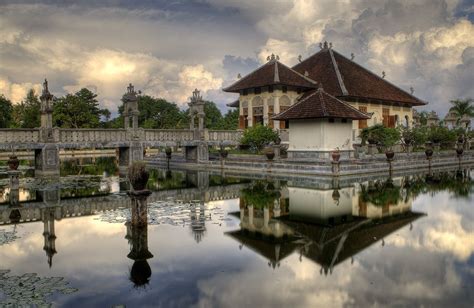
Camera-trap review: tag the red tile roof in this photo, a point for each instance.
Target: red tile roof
(319, 104)
(344, 78)
(271, 73)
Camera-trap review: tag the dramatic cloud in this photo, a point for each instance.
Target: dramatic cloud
(168, 49)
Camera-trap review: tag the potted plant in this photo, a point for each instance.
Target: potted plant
(459, 151)
(269, 153)
(391, 136)
(138, 175)
(13, 162)
(336, 155)
(429, 153)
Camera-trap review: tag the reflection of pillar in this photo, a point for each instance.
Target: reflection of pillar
(266, 217)
(250, 207)
(137, 236)
(198, 222)
(49, 235)
(14, 176)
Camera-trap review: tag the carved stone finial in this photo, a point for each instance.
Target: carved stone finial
(306, 73)
(321, 45)
(352, 56)
(300, 58)
(412, 90)
(383, 74)
(320, 86)
(45, 86)
(131, 89)
(330, 45)
(277, 57)
(196, 96)
(268, 58)
(325, 45)
(239, 76)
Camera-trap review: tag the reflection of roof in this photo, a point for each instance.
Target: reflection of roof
(320, 104)
(271, 73)
(342, 77)
(329, 255)
(273, 249)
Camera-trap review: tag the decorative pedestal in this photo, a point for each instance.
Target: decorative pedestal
(139, 207)
(47, 161)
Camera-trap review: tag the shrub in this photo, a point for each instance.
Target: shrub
(441, 135)
(378, 134)
(258, 136)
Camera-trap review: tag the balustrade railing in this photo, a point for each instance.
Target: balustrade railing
(93, 135)
(19, 135)
(168, 135)
(225, 135)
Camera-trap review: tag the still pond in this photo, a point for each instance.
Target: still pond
(223, 241)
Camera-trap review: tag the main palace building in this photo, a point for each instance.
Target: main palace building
(349, 93)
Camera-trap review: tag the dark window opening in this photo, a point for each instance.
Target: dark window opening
(284, 89)
(331, 120)
(245, 92)
(258, 90)
(270, 89)
(344, 120)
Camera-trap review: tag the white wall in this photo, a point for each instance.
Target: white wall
(320, 135)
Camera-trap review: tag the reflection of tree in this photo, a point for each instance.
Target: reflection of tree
(261, 194)
(162, 180)
(381, 193)
(89, 166)
(29, 289)
(458, 183)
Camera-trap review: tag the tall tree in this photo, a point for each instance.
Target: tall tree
(213, 115)
(462, 108)
(230, 121)
(6, 108)
(79, 110)
(159, 113)
(27, 113)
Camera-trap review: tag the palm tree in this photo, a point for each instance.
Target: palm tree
(462, 108)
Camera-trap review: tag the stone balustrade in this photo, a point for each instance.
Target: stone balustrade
(166, 135)
(93, 135)
(231, 136)
(19, 135)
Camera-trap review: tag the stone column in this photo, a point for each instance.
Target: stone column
(265, 112)
(276, 110)
(250, 114)
(47, 161)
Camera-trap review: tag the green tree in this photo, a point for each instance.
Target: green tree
(6, 108)
(79, 110)
(258, 136)
(462, 108)
(213, 116)
(230, 121)
(158, 113)
(27, 113)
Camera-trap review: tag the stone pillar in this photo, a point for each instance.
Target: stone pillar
(47, 161)
(130, 154)
(276, 110)
(130, 105)
(139, 207)
(46, 114)
(250, 114)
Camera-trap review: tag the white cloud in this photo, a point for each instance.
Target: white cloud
(16, 92)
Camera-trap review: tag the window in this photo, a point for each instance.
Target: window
(270, 89)
(363, 123)
(245, 92)
(344, 121)
(258, 90)
(331, 120)
(284, 89)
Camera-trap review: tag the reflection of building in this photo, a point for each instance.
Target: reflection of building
(325, 226)
(137, 237)
(198, 221)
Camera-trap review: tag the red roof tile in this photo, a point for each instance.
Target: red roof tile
(319, 104)
(342, 77)
(271, 73)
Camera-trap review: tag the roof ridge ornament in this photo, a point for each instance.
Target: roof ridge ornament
(412, 90)
(383, 74)
(131, 89)
(273, 57)
(239, 76)
(196, 96)
(320, 86)
(300, 58)
(352, 56)
(45, 86)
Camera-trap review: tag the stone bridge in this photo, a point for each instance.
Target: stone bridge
(130, 141)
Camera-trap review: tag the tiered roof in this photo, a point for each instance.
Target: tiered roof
(319, 104)
(340, 76)
(344, 78)
(270, 74)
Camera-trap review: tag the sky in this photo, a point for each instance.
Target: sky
(169, 48)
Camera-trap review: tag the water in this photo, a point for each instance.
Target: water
(232, 242)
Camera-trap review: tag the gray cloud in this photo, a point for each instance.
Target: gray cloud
(168, 48)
